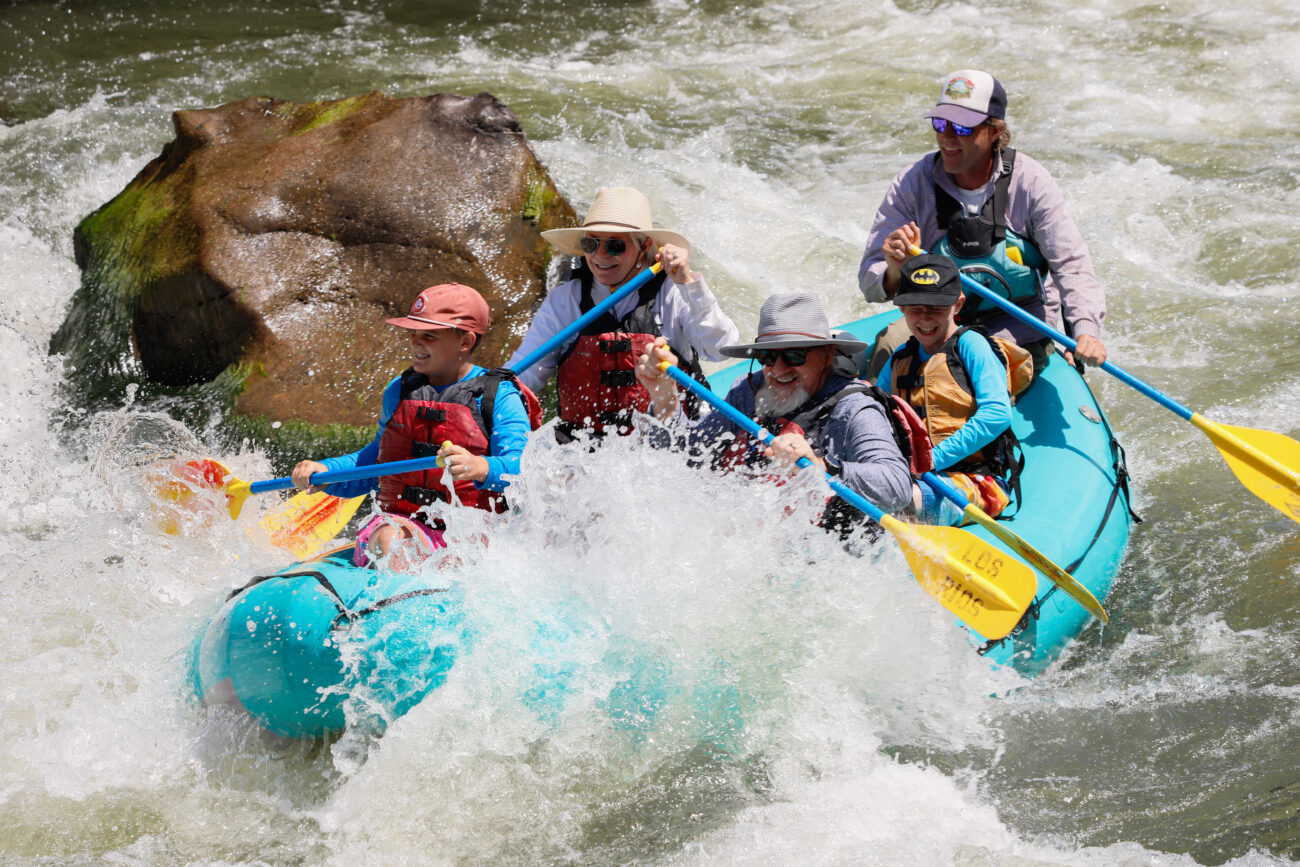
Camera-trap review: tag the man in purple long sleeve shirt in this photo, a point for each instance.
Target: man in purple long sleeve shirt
(971, 133)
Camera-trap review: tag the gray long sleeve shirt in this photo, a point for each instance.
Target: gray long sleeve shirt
(856, 434)
(1035, 209)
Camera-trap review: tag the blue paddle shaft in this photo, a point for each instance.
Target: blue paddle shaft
(1119, 373)
(582, 321)
(941, 484)
(366, 472)
(415, 465)
(753, 428)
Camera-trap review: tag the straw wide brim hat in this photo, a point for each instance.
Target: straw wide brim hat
(615, 209)
(791, 320)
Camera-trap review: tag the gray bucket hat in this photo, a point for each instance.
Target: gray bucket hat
(789, 320)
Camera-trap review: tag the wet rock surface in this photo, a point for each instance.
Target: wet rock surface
(271, 239)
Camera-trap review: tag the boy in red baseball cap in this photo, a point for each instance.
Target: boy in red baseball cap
(475, 420)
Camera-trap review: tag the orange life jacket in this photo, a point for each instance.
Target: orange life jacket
(940, 391)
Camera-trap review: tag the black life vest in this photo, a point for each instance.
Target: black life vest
(424, 419)
(809, 421)
(986, 250)
(596, 381)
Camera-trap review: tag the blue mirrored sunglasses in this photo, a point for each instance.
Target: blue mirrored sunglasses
(941, 125)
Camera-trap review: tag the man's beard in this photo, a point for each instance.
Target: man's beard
(768, 405)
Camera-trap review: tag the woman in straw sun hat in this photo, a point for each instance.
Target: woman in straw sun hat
(595, 381)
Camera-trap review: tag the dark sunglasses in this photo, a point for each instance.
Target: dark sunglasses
(941, 125)
(791, 357)
(613, 246)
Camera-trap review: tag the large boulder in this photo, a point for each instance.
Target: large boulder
(271, 239)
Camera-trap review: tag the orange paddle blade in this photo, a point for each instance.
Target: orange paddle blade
(307, 521)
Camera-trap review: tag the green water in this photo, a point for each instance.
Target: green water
(767, 134)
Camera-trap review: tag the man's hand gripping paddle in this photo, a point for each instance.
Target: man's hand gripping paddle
(984, 587)
(1266, 462)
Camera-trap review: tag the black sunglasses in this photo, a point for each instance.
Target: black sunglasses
(613, 246)
(941, 125)
(791, 357)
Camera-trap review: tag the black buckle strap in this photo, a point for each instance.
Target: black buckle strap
(424, 450)
(424, 496)
(623, 344)
(1033, 612)
(619, 419)
(617, 378)
(318, 576)
(910, 381)
(1122, 477)
(428, 413)
(347, 618)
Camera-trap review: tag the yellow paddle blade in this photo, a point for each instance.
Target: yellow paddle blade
(1266, 462)
(984, 587)
(1039, 561)
(237, 490)
(307, 521)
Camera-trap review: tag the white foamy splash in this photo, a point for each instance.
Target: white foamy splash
(846, 719)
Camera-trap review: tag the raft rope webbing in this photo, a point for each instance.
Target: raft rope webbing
(344, 615)
(352, 616)
(1119, 465)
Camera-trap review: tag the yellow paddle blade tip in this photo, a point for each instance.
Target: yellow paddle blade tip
(1040, 561)
(1265, 461)
(237, 491)
(986, 588)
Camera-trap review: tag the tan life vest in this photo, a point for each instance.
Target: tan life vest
(941, 391)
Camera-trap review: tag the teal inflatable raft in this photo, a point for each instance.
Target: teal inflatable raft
(1074, 508)
(323, 644)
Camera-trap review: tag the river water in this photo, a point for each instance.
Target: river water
(767, 133)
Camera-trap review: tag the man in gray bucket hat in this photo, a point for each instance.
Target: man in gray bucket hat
(806, 393)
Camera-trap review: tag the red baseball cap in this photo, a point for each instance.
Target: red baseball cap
(447, 305)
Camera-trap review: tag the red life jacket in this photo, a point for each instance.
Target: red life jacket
(425, 418)
(596, 380)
